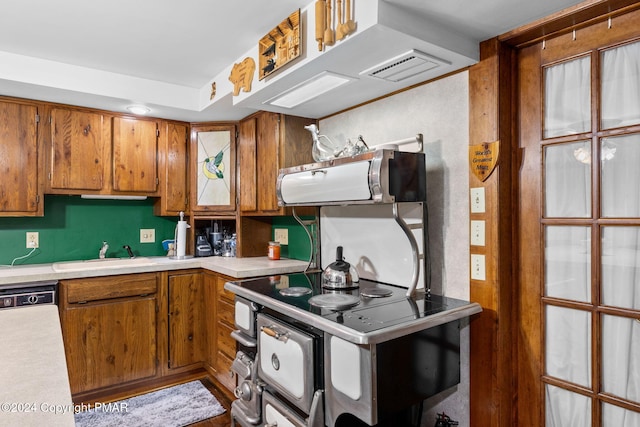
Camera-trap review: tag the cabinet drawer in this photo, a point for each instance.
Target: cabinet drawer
(222, 292)
(223, 371)
(226, 343)
(226, 312)
(101, 288)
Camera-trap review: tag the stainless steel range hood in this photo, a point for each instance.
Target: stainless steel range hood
(380, 176)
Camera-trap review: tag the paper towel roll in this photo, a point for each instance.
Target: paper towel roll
(181, 238)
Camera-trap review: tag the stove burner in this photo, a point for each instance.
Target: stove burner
(334, 301)
(376, 292)
(296, 291)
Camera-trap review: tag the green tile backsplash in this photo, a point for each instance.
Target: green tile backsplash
(74, 228)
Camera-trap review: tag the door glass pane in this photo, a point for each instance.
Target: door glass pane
(615, 416)
(620, 176)
(621, 357)
(567, 180)
(621, 266)
(567, 263)
(568, 344)
(567, 98)
(566, 409)
(621, 86)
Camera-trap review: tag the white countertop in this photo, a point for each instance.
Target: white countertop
(33, 370)
(238, 268)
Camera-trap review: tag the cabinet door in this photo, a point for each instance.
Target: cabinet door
(110, 343)
(77, 150)
(268, 154)
(173, 170)
(187, 334)
(135, 144)
(247, 165)
(19, 160)
(213, 165)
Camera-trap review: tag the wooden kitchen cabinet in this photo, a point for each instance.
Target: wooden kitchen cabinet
(79, 150)
(268, 142)
(135, 146)
(109, 330)
(172, 170)
(213, 169)
(221, 348)
(20, 162)
(187, 334)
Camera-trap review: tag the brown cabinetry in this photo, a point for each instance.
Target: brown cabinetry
(172, 170)
(222, 347)
(187, 334)
(79, 150)
(268, 142)
(135, 146)
(94, 153)
(19, 160)
(109, 330)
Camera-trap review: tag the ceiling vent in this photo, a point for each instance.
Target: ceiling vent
(404, 66)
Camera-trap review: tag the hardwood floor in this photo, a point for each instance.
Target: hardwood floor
(223, 420)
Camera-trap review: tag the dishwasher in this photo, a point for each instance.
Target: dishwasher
(27, 294)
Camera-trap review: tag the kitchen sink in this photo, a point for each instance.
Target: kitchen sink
(91, 264)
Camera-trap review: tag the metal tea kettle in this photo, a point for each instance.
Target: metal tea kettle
(339, 274)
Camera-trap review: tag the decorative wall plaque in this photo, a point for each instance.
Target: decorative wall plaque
(483, 158)
(280, 46)
(242, 75)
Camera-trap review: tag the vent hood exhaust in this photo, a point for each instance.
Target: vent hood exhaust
(404, 66)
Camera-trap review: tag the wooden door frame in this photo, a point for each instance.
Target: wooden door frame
(496, 388)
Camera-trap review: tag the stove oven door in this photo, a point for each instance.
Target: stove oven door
(286, 361)
(276, 413)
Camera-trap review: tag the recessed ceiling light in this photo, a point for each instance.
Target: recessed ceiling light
(138, 109)
(307, 90)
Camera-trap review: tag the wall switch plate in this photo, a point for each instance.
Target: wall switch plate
(477, 233)
(281, 235)
(477, 200)
(147, 235)
(478, 271)
(33, 239)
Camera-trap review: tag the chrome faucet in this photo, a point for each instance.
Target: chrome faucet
(103, 250)
(129, 251)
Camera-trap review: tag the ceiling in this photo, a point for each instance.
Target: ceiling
(165, 54)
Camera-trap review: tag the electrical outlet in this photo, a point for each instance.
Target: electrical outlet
(477, 233)
(281, 235)
(478, 271)
(147, 235)
(33, 239)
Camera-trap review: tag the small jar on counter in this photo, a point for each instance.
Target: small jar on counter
(274, 250)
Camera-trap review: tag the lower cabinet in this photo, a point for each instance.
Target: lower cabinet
(128, 330)
(109, 330)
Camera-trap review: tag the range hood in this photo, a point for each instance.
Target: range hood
(380, 176)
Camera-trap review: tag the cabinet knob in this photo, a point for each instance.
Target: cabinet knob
(190, 337)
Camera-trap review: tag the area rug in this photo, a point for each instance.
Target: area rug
(176, 406)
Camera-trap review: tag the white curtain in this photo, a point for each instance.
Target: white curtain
(567, 188)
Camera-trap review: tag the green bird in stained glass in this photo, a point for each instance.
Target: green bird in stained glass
(213, 167)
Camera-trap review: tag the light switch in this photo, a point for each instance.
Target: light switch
(478, 267)
(477, 200)
(281, 235)
(477, 233)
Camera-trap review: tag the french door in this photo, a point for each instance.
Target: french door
(579, 227)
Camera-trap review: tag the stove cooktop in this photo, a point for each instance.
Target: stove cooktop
(386, 307)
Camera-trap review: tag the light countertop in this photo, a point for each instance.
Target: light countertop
(239, 268)
(35, 388)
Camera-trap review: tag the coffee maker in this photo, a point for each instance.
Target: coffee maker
(203, 248)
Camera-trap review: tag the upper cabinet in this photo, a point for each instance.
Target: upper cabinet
(268, 142)
(79, 150)
(213, 168)
(19, 160)
(135, 147)
(96, 153)
(172, 170)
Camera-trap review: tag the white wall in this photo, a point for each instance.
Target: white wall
(440, 111)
